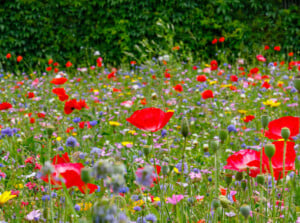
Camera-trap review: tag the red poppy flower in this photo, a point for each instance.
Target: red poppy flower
(70, 173)
(221, 39)
(41, 115)
(30, 95)
(214, 41)
(8, 55)
(19, 58)
(5, 106)
(167, 75)
(248, 118)
(213, 65)
(245, 160)
(143, 101)
(267, 47)
(201, 78)
(70, 106)
(234, 78)
(82, 104)
(59, 91)
(266, 85)
(56, 70)
(68, 64)
(233, 88)
(63, 97)
(277, 48)
(50, 61)
(116, 90)
(61, 159)
(178, 88)
(111, 75)
(291, 54)
(132, 62)
(277, 159)
(32, 120)
(207, 94)
(48, 68)
(150, 119)
(254, 70)
(275, 126)
(59, 81)
(83, 124)
(56, 64)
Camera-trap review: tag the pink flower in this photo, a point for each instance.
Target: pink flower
(127, 104)
(175, 199)
(261, 58)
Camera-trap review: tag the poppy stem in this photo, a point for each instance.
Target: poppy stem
(217, 174)
(273, 189)
(284, 180)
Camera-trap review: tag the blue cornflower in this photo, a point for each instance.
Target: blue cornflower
(71, 142)
(151, 218)
(93, 123)
(231, 128)
(145, 176)
(77, 119)
(77, 207)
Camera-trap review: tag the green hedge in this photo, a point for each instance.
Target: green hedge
(74, 29)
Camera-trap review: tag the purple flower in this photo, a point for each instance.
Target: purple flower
(34, 215)
(175, 199)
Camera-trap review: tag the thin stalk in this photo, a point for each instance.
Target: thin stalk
(284, 180)
(273, 189)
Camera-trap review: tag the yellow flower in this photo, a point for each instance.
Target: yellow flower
(6, 196)
(207, 65)
(127, 76)
(156, 199)
(74, 133)
(126, 143)
(112, 123)
(170, 111)
(212, 82)
(225, 85)
(132, 132)
(242, 111)
(58, 138)
(19, 186)
(95, 91)
(271, 103)
(85, 206)
(176, 170)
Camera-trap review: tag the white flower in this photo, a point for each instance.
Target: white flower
(97, 53)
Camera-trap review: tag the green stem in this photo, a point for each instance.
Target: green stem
(217, 174)
(51, 210)
(284, 180)
(273, 189)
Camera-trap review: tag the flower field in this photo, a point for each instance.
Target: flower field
(162, 141)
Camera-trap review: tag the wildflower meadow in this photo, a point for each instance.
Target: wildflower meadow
(171, 139)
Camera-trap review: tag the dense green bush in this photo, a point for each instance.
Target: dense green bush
(120, 29)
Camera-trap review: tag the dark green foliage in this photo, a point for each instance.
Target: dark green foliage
(73, 29)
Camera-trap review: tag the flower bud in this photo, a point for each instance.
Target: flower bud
(165, 170)
(239, 176)
(215, 204)
(184, 127)
(228, 178)
(285, 133)
(260, 179)
(214, 146)
(223, 135)
(245, 210)
(243, 184)
(270, 150)
(154, 96)
(297, 83)
(224, 201)
(85, 175)
(146, 150)
(264, 121)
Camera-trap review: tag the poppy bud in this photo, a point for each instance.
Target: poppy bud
(85, 175)
(228, 178)
(260, 179)
(297, 83)
(214, 146)
(165, 170)
(146, 151)
(215, 204)
(270, 150)
(243, 184)
(239, 176)
(225, 202)
(285, 133)
(245, 210)
(223, 135)
(264, 121)
(154, 96)
(184, 127)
